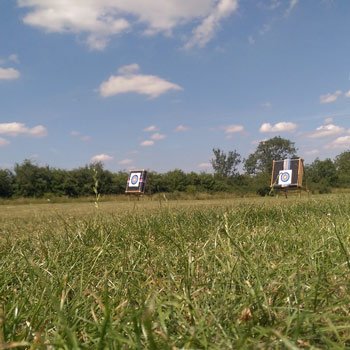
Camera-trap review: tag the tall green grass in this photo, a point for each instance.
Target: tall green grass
(253, 275)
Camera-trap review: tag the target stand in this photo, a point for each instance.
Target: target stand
(136, 183)
(287, 175)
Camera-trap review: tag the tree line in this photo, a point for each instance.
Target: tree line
(231, 173)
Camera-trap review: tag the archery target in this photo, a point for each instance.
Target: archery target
(285, 177)
(134, 180)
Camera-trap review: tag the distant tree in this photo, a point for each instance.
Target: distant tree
(342, 165)
(176, 180)
(32, 180)
(58, 181)
(225, 165)
(207, 182)
(6, 183)
(321, 173)
(276, 148)
(119, 180)
(71, 186)
(81, 181)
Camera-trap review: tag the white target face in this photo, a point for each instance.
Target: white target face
(134, 180)
(285, 177)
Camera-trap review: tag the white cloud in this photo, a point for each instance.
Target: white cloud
(15, 129)
(204, 166)
(101, 158)
(150, 128)
(328, 120)
(206, 30)
(125, 162)
(230, 129)
(99, 20)
(147, 143)
(340, 142)
(129, 81)
(3, 142)
(9, 74)
(181, 128)
(331, 97)
(326, 130)
(347, 94)
(157, 136)
(278, 127)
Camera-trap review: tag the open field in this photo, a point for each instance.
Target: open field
(219, 274)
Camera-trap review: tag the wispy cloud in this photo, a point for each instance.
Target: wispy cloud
(266, 104)
(206, 30)
(278, 127)
(131, 81)
(331, 97)
(204, 166)
(291, 7)
(13, 58)
(312, 152)
(326, 131)
(3, 142)
(80, 136)
(251, 40)
(9, 74)
(151, 128)
(274, 4)
(347, 94)
(265, 29)
(157, 136)
(147, 143)
(125, 161)
(181, 128)
(101, 158)
(340, 142)
(15, 129)
(231, 129)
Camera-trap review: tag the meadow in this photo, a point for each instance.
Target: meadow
(264, 273)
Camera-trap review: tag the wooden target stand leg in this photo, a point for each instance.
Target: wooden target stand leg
(134, 197)
(285, 191)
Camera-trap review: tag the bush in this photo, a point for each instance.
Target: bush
(263, 191)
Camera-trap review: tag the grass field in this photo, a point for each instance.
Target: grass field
(222, 274)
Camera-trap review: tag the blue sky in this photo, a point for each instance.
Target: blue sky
(157, 85)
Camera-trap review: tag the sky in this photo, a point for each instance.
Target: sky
(158, 84)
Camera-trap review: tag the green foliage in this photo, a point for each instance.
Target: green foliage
(6, 183)
(321, 175)
(119, 180)
(175, 180)
(225, 165)
(32, 180)
(342, 165)
(276, 148)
